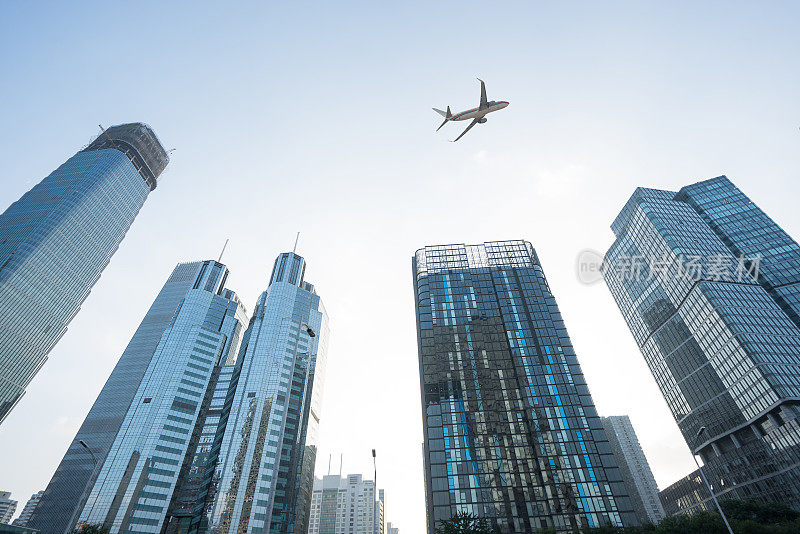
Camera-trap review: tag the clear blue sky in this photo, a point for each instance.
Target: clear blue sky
(316, 117)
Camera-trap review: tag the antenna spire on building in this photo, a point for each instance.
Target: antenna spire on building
(296, 239)
(219, 260)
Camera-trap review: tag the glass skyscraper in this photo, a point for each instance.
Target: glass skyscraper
(265, 471)
(511, 431)
(58, 237)
(710, 288)
(219, 431)
(151, 452)
(68, 489)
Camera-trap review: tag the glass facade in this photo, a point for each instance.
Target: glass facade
(206, 424)
(688, 494)
(265, 470)
(511, 431)
(67, 490)
(157, 445)
(709, 286)
(56, 240)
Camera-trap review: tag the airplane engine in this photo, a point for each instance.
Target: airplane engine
(482, 120)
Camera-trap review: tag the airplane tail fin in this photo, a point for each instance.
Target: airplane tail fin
(446, 114)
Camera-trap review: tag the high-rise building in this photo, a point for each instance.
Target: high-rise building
(265, 472)
(72, 480)
(636, 473)
(688, 494)
(58, 237)
(710, 288)
(511, 431)
(25, 515)
(7, 507)
(218, 430)
(156, 446)
(391, 529)
(345, 505)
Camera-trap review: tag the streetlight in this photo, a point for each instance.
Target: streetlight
(703, 476)
(309, 330)
(375, 496)
(81, 502)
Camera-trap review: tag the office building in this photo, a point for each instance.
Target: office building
(511, 431)
(7, 507)
(220, 430)
(710, 288)
(265, 471)
(25, 515)
(390, 529)
(639, 480)
(346, 505)
(156, 445)
(58, 237)
(687, 495)
(74, 476)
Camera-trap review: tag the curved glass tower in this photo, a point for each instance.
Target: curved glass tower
(266, 464)
(56, 240)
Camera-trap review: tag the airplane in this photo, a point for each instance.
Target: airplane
(478, 115)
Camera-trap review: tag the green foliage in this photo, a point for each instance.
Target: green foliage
(752, 510)
(465, 523)
(746, 517)
(93, 528)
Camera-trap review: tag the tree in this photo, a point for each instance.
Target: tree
(465, 523)
(765, 514)
(91, 528)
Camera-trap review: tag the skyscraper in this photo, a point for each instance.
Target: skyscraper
(345, 505)
(689, 494)
(639, 481)
(710, 288)
(219, 428)
(265, 470)
(511, 431)
(151, 452)
(58, 237)
(68, 489)
(25, 514)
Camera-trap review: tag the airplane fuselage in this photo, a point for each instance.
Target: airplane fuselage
(477, 113)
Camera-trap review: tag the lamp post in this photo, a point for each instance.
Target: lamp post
(703, 476)
(73, 519)
(375, 500)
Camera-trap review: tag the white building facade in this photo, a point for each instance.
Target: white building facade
(636, 473)
(25, 515)
(346, 506)
(7, 507)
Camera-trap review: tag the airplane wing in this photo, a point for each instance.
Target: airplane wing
(473, 123)
(484, 101)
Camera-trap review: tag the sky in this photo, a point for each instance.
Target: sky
(316, 117)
